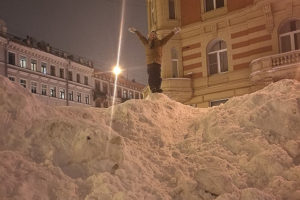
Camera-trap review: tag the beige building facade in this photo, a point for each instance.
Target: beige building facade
(57, 77)
(226, 47)
(52, 75)
(105, 85)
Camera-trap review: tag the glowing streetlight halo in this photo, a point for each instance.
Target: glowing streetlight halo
(117, 70)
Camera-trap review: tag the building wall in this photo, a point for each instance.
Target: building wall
(37, 77)
(250, 30)
(125, 86)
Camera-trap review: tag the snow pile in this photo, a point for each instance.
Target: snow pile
(158, 149)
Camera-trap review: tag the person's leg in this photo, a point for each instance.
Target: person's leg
(151, 77)
(157, 79)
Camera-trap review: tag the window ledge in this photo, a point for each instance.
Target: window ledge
(214, 13)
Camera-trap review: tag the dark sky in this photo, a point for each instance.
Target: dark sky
(89, 28)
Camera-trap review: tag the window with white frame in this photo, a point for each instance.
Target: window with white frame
(125, 94)
(130, 95)
(289, 36)
(33, 65)
(12, 78)
(71, 97)
(217, 57)
(53, 91)
(33, 87)
(171, 9)
(87, 99)
(23, 82)
(210, 5)
(44, 89)
(22, 61)
(174, 60)
(79, 97)
(62, 93)
(44, 68)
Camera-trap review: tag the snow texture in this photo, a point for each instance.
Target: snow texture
(158, 149)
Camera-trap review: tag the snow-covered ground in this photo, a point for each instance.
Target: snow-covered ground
(158, 149)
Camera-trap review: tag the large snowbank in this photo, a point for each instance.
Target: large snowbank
(158, 149)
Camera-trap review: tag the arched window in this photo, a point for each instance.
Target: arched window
(171, 9)
(174, 59)
(289, 36)
(217, 57)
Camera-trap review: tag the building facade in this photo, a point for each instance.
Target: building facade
(104, 89)
(57, 77)
(226, 47)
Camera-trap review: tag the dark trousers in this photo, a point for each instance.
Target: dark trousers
(154, 79)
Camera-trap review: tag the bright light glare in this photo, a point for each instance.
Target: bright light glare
(117, 70)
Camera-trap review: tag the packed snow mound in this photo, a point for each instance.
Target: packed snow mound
(157, 149)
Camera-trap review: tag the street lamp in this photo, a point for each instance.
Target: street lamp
(117, 70)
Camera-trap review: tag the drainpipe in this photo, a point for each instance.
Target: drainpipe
(5, 58)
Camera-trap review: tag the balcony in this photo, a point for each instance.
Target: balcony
(276, 67)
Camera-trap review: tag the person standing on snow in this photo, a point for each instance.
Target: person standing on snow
(153, 47)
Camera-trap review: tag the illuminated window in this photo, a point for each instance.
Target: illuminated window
(130, 95)
(62, 93)
(71, 96)
(217, 57)
(289, 36)
(79, 97)
(44, 89)
(174, 59)
(125, 92)
(22, 61)
(213, 4)
(33, 87)
(87, 99)
(44, 68)
(53, 91)
(33, 65)
(171, 9)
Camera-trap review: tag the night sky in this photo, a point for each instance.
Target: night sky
(89, 28)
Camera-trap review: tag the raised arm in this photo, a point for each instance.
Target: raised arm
(141, 37)
(170, 35)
